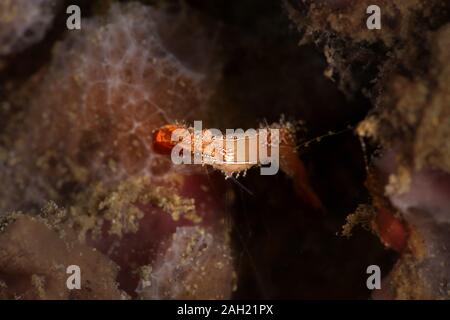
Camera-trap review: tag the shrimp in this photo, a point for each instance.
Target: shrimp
(236, 153)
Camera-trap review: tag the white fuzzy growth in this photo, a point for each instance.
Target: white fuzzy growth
(193, 254)
(425, 205)
(111, 82)
(24, 22)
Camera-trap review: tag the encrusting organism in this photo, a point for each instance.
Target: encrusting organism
(83, 141)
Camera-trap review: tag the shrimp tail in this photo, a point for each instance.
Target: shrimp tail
(292, 166)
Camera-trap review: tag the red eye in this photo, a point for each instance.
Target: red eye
(162, 138)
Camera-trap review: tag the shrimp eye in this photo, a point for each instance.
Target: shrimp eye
(162, 139)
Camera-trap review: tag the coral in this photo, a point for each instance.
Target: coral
(84, 140)
(355, 53)
(34, 258)
(410, 91)
(403, 69)
(92, 114)
(415, 111)
(85, 123)
(422, 270)
(24, 23)
(130, 226)
(348, 19)
(193, 253)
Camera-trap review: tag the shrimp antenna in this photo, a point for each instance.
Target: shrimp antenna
(326, 135)
(241, 185)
